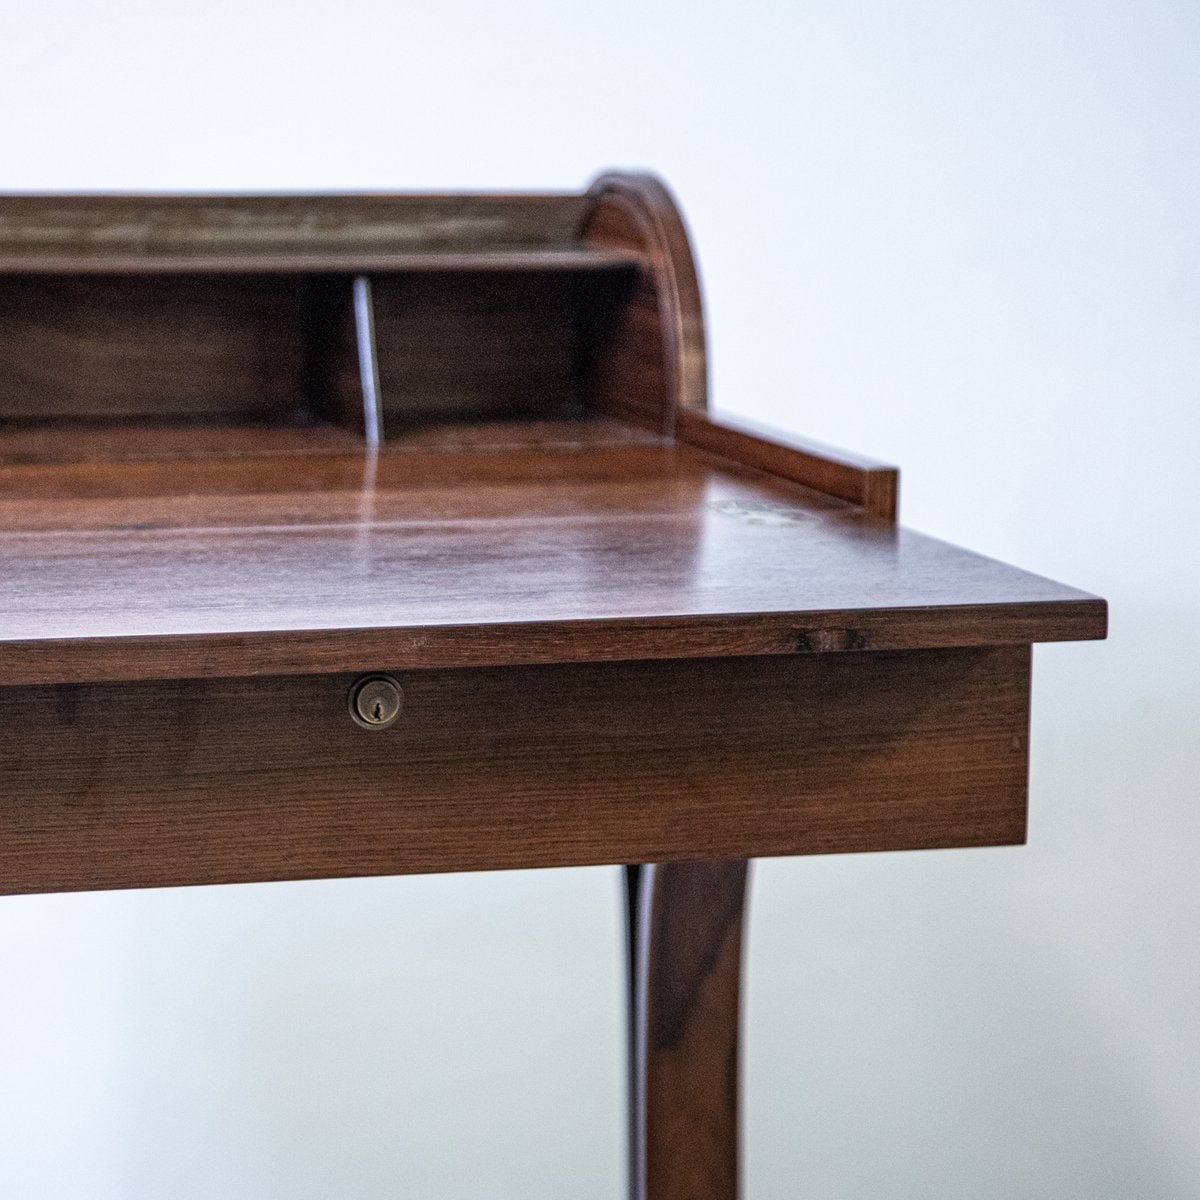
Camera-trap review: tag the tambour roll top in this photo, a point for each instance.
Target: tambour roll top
(371, 313)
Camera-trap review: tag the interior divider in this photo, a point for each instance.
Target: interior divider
(368, 361)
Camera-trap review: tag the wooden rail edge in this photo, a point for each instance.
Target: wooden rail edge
(873, 486)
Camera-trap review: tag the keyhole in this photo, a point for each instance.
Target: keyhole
(376, 701)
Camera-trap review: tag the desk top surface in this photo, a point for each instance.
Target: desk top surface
(177, 552)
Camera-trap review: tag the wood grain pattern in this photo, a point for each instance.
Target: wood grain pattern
(627, 632)
(176, 782)
(585, 549)
(451, 345)
(522, 449)
(221, 232)
(106, 443)
(574, 259)
(645, 345)
(870, 485)
(685, 923)
(175, 327)
(448, 344)
(163, 345)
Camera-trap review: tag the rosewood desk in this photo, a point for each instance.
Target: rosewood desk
(380, 534)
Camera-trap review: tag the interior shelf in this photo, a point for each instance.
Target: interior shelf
(200, 262)
(472, 335)
(246, 435)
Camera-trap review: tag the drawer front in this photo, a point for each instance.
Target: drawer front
(223, 780)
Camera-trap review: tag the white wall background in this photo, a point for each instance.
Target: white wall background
(962, 236)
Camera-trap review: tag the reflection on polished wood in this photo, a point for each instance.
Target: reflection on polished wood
(626, 632)
(537, 542)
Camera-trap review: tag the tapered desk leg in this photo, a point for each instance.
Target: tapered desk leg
(685, 934)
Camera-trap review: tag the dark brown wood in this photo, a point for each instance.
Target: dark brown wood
(333, 381)
(177, 346)
(645, 344)
(685, 922)
(867, 484)
(177, 782)
(587, 547)
(488, 451)
(448, 345)
(457, 346)
(627, 632)
(634, 1092)
(229, 232)
(106, 443)
(574, 259)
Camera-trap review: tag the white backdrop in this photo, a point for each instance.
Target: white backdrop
(959, 236)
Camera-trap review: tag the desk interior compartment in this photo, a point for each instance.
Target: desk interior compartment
(426, 346)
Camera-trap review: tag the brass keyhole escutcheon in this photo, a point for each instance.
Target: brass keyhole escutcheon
(376, 701)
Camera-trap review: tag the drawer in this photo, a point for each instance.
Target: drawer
(222, 780)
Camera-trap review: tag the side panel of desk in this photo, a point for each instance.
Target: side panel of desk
(210, 781)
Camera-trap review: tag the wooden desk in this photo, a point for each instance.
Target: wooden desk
(255, 449)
